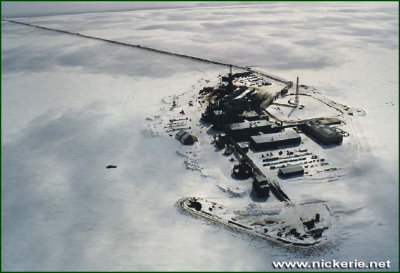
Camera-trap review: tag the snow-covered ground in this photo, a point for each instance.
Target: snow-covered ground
(313, 109)
(72, 106)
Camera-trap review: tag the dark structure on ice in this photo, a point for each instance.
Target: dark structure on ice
(323, 134)
(237, 113)
(289, 171)
(243, 130)
(273, 141)
(261, 185)
(242, 170)
(185, 138)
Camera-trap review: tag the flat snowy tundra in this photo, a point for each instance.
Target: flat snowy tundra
(71, 106)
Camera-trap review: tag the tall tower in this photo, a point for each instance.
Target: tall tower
(296, 98)
(230, 79)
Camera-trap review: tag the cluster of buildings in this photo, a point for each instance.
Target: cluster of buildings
(244, 124)
(237, 113)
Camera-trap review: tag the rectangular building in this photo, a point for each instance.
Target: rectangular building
(289, 171)
(261, 185)
(235, 106)
(243, 130)
(323, 134)
(220, 119)
(273, 141)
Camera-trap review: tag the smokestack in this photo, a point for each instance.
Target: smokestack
(296, 99)
(230, 79)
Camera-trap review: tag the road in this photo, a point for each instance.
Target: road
(193, 58)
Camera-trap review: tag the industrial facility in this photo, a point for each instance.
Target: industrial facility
(290, 171)
(323, 134)
(242, 130)
(243, 127)
(273, 141)
(261, 185)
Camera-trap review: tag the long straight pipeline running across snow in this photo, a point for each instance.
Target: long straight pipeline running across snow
(276, 189)
(149, 49)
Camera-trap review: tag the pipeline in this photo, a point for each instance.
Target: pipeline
(274, 186)
(151, 49)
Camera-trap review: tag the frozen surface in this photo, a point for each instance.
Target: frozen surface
(72, 106)
(280, 223)
(313, 109)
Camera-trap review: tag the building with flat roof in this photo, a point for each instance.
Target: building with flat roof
(250, 115)
(243, 130)
(289, 171)
(261, 185)
(235, 106)
(272, 141)
(323, 134)
(244, 146)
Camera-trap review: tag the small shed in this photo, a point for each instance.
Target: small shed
(185, 138)
(289, 171)
(244, 146)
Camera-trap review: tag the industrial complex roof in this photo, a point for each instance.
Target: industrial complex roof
(324, 130)
(249, 124)
(291, 169)
(274, 137)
